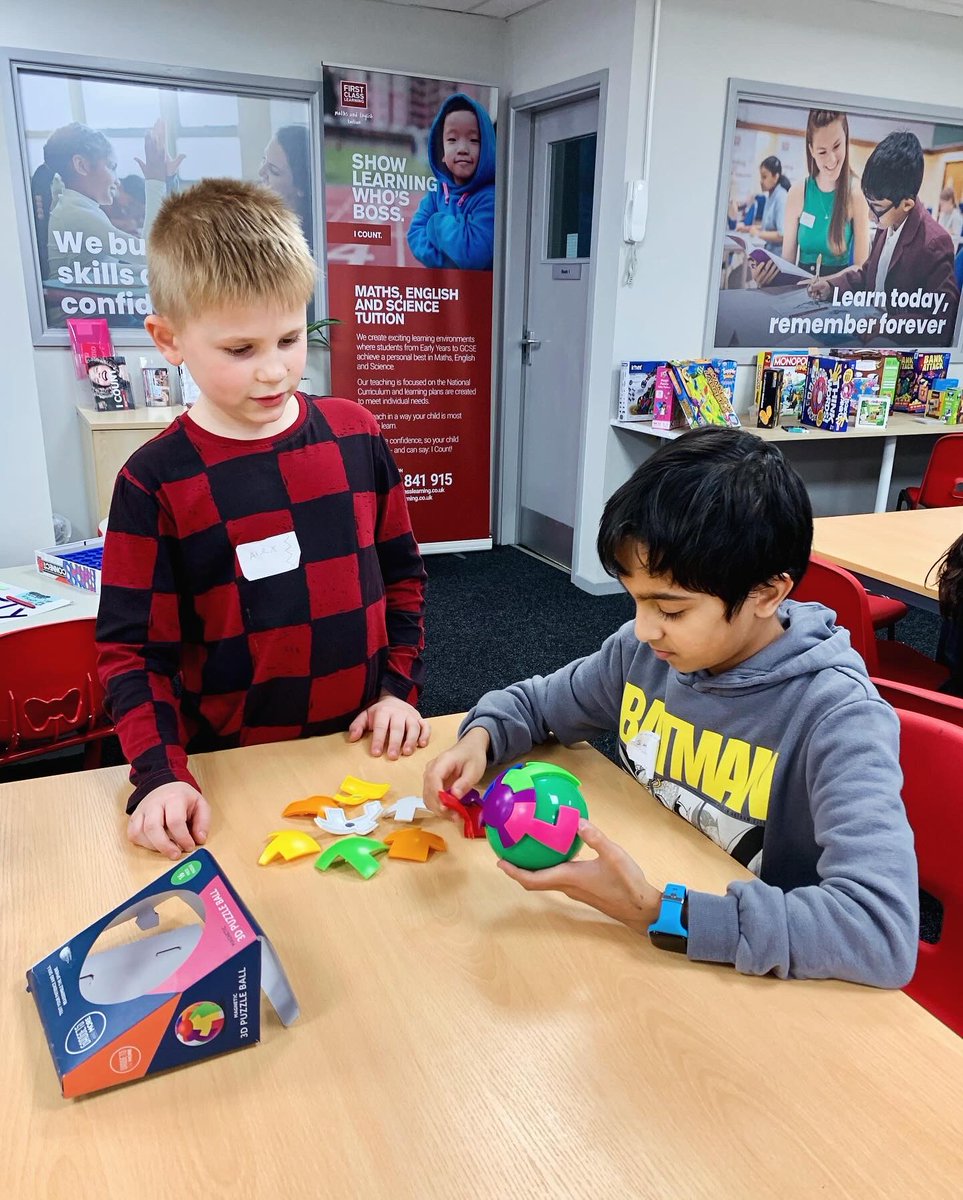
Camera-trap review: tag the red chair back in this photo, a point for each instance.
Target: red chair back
(938, 705)
(931, 755)
(942, 485)
(50, 696)
(841, 591)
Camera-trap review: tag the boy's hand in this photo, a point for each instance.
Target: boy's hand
(613, 882)
(396, 727)
(819, 289)
(457, 770)
(172, 819)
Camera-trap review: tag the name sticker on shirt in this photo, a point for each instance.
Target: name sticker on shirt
(807, 219)
(271, 556)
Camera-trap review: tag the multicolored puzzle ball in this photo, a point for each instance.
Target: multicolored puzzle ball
(199, 1023)
(531, 813)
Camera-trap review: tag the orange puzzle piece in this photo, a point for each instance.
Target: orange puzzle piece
(310, 806)
(414, 844)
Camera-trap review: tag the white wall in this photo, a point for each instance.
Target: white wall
(842, 45)
(290, 39)
(25, 523)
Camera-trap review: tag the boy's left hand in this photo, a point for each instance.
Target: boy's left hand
(613, 882)
(396, 727)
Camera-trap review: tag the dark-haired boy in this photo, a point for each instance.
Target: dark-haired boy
(748, 714)
(911, 251)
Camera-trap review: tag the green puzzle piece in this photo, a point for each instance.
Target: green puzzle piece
(358, 851)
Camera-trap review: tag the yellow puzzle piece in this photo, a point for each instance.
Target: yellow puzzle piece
(288, 844)
(359, 791)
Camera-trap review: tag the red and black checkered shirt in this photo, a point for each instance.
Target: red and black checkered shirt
(195, 656)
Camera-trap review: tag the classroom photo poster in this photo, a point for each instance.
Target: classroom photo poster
(409, 167)
(839, 224)
(100, 155)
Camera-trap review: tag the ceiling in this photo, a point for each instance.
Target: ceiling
(499, 9)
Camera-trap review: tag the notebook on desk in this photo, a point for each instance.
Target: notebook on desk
(25, 602)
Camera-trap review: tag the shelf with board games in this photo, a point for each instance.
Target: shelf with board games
(813, 400)
(899, 425)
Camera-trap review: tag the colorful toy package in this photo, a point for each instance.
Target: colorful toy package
(701, 396)
(947, 398)
(666, 411)
(877, 374)
(176, 996)
(794, 365)
(929, 368)
(829, 389)
(637, 384)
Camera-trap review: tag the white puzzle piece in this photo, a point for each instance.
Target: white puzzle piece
(407, 808)
(336, 820)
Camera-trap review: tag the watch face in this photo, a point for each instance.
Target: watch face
(669, 941)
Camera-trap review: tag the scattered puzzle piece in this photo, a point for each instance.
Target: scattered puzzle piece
(310, 806)
(288, 844)
(407, 808)
(337, 822)
(469, 809)
(361, 790)
(358, 852)
(414, 844)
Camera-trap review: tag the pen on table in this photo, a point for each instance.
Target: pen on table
(18, 600)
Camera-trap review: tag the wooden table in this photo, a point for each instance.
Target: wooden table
(900, 425)
(460, 1037)
(893, 553)
(82, 604)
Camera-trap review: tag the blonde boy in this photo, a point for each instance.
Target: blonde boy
(261, 581)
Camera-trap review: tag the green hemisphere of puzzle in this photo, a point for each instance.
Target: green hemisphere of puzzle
(554, 788)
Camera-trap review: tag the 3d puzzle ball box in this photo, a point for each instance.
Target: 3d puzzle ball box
(170, 998)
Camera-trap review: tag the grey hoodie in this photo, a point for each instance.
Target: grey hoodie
(789, 761)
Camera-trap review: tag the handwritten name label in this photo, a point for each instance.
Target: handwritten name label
(271, 556)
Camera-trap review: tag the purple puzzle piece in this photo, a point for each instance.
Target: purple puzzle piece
(500, 801)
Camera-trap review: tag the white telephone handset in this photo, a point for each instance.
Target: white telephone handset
(636, 211)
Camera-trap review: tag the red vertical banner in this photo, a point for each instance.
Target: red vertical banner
(410, 212)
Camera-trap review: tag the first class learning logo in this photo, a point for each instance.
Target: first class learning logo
(353, 95)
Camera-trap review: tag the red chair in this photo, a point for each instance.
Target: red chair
(942, 485)
(884, 612)
(938, 705)
(931, 755)
(841, 591)
(50, 696)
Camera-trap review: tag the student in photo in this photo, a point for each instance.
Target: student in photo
(769, 228)
(260, 580)
(455, 224)
(826, 222)
(949, 215)
(911, 251)
(748, 714)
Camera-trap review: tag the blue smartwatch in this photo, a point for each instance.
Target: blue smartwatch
(668, 931)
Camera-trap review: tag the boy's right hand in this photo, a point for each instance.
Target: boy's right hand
(457, 770)
(172, 819)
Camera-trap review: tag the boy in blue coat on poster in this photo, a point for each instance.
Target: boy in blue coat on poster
(455, 224)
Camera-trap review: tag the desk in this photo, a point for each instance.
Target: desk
(82, 604)
(899, 425)
(459, 1037)
(108, 440)
(892, 553)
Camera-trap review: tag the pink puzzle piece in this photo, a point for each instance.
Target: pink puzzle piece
(558, 837)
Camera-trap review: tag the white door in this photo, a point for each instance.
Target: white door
(562, 186)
